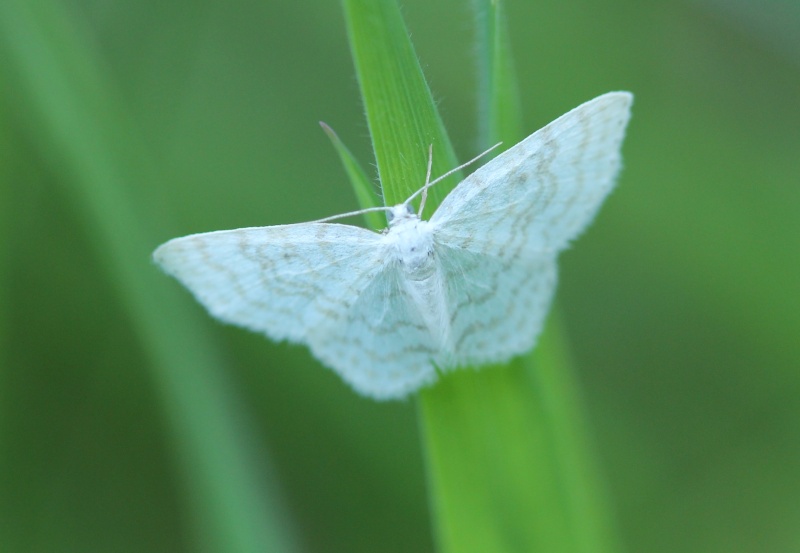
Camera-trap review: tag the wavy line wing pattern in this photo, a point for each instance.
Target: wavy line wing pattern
(472, 286)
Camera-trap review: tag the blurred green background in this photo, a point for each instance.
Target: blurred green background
(682, 303)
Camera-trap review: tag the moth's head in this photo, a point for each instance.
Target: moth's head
(399, 213)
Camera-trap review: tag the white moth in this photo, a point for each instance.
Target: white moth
(470, 286)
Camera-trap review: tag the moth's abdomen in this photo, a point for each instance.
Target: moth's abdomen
(420, 266)
(430, 296)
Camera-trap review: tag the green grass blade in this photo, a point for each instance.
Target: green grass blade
(591, 520)
(493, 456)
(552, 373)
(401, 115)
(70, 105)
(362, 185)
(487, 439)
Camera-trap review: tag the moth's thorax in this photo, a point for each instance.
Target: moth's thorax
(412, 240)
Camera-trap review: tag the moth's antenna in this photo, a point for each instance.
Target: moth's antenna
(424, 189)
(427, 181)
(352, 213)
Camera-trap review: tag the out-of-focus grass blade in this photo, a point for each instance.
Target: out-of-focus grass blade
(84, 132)
(5, 236)
(499, 106)
(552, 371)
(362, 185)
(590, 517)
(5, 219)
